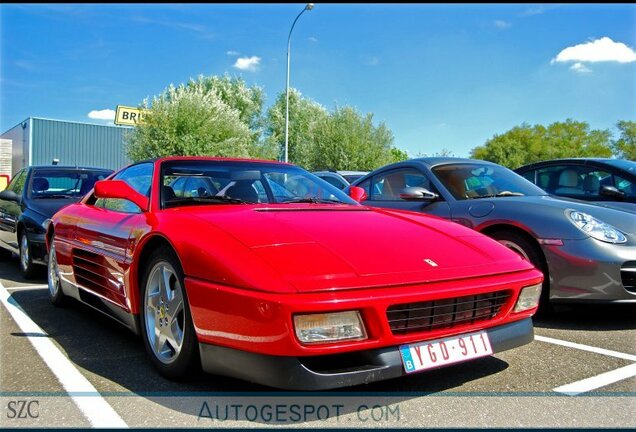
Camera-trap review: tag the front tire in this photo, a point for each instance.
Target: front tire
(530, 252)
(166, 322)
(27, 266)
(56, 295)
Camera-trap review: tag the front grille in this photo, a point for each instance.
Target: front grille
(628, 276)
(446, 313)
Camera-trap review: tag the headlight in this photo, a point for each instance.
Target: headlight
(528, 298)
(595, 228)
(329, 327)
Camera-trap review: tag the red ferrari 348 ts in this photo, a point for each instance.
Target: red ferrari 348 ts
(262, 271)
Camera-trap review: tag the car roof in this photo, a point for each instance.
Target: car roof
(623, 164)
(209, 158)
(68, 168)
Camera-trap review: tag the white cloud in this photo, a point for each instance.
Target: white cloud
(580, 68)
(313, 39)
(232, 53)
(502, 25)
(105, 114)
(600, 50)
(248, 63)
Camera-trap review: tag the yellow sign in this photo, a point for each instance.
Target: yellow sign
(129, 116)
(4, 181)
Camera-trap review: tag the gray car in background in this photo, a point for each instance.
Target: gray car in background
(586, 252)
(340, 179)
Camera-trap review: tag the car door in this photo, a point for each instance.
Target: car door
(10, 212)
(106, 233)
(383, 190)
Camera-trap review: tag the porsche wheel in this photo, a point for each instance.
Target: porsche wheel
(27, 266)
(167, 328)
(530, 252)
(57, 296)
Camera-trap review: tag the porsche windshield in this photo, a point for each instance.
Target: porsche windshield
(188, 182)
(474, 180)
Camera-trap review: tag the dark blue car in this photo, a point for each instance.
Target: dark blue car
(33, 196)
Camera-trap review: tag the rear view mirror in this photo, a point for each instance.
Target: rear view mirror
(611, 191)
(8, 195)
(122, 190)
(417, 193)
(357, 193)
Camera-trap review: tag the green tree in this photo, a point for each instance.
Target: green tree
(625, 146)
(526, 144)
(216, 116)
(347, 140)
(397, 155)
(304, 115)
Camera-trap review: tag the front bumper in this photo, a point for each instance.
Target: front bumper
(589, 271)
(336, 370)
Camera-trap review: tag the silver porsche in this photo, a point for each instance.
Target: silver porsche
(586, 252)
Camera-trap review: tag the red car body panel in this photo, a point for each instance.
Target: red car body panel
(250, 268)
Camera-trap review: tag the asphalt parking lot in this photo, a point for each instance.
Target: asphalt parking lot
(72, 367)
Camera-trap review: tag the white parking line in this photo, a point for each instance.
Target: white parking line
(30, 287)
(94, 407)
(588, 348)
(598, 381)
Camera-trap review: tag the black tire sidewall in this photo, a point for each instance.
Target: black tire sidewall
(188, 358)
(30, 270)
(536, 258)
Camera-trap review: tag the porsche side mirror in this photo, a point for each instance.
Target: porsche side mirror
(417, 193)
(611, 191)
(357, 193)
(122, 190)
(8, 195)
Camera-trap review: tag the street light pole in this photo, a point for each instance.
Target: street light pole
(309, 6)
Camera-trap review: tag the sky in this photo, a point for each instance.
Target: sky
(441, 77)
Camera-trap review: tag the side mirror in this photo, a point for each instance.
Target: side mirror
(611, 191)
(357, 193)
(9, 196)
(122, 190)
(416, 193)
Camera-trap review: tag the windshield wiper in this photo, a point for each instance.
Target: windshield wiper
(222, 199)
(54, 196)
(312, 200)
(500, 194)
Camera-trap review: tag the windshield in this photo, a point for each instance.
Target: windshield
(191, 182)
(51, 183)
(476, 180)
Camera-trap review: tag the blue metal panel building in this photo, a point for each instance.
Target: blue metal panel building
(37, 141)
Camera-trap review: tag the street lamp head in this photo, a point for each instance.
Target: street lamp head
(309, 6)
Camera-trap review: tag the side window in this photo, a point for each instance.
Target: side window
(625, 185)
(139, 177)
(17, 184)
(529, 175)
(547, 178)
(387, 187)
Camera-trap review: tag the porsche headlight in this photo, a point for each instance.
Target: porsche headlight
(595, 228)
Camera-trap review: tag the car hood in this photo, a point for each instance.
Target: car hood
(317, 248)
(48, 207)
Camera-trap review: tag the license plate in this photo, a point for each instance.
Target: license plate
(440, 352)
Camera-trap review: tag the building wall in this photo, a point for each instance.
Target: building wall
(19, 137)
(80, 144)
(5, 157)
